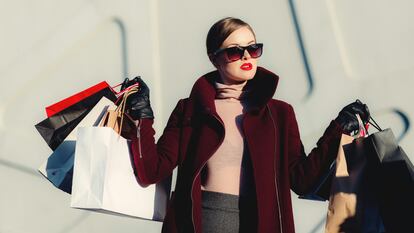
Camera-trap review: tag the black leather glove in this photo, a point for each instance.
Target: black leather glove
(347, 116)
(138, 104)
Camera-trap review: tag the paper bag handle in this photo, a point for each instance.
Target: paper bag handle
(119, 110)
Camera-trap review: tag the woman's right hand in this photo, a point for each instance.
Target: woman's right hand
(138, 104)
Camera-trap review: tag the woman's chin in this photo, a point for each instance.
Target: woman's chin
(247, 75)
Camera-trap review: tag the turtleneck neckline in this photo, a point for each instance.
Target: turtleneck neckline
(230, 91)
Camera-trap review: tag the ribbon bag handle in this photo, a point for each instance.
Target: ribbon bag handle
(121, 92)
(374, 124)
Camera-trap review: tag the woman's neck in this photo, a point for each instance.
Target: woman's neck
(230, 91)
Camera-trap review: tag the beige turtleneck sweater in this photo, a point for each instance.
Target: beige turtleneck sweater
(228, 167)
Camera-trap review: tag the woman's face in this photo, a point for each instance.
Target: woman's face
(243, 69)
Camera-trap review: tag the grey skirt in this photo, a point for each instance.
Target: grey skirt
(228, 213)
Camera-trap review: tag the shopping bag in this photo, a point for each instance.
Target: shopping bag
(352, 204)
(392, 174)
(58, 168)
(65, 103)
(342, 202)
(57, 127)
(104, 179)
(119, 121)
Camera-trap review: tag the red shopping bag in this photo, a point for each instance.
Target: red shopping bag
(71, 100)
(65, 103)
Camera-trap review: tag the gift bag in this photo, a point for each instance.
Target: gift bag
(58, 168)
(104, 179)
(392, 175)
(56, 128)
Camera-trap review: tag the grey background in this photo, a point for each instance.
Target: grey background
(327, 53)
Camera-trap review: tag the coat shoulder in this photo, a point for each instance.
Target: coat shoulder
(280, 106)
(187, 105)
(183, 104)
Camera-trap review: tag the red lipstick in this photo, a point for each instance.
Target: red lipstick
(246, 66)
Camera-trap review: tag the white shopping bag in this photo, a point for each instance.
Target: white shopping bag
(103, 177)
(58, 168)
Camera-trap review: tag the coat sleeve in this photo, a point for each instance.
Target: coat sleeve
(155, 161)
(305, 171)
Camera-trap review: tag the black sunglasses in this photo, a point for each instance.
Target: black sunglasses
(237, 52)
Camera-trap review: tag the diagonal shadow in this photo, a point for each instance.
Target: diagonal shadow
(318, 226)
(18, 167)
(73, 224)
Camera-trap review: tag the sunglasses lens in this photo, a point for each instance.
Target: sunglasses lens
(234, 53)
(255, 50)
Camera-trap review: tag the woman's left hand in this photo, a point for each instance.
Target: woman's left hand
(347, 116)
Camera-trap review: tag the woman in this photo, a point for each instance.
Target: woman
(238, 151)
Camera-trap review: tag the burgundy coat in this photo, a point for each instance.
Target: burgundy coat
(194, 132)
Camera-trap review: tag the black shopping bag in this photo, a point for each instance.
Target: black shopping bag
(55, 128)
(392, 175)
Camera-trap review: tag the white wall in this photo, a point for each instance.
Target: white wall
(51, 49)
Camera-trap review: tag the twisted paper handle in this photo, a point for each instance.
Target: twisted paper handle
(119, 111)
